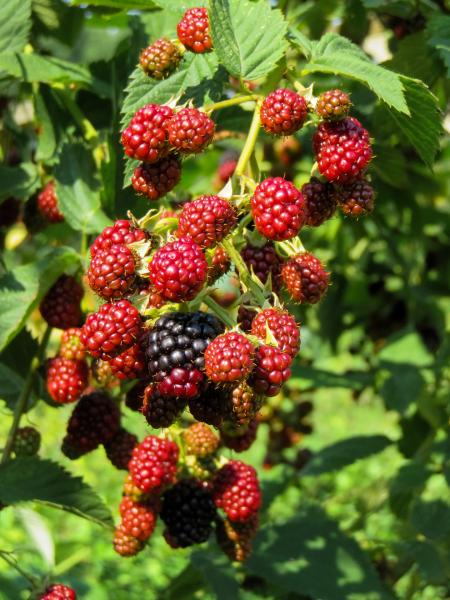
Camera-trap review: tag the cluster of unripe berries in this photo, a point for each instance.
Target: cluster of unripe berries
(187, 497)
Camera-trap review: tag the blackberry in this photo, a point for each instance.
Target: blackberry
(60, 306)
(333, 105)
(178, 340)
(27, 442)
(320, 202)
(160, 58)
(160, 410)
(125, 544)
(211, 405)
(356, 199)
(264, 261)
(58, 591)
(241, 438)
(235, 539)
(153, 464)
(120, 447)
(95, 420)
(243, 404)
(188, 513)
(200, 440)
(134, 398)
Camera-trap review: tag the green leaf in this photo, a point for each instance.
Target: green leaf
(301, 41)
(179, 6)
(390, 165)
(344, 453)
(217, 573)
(406, 346)
(415, 59)
(423, 127)
(15, 23)
(432, 519)
(77, 189)
(19, 181)
(51, 117)
(34, 68)
(118, 4)
(198, 77)
(249, 37)
(338, 55)
(310, 554)
(11, 384)
(307, 377)
(432, 563)
(44, 481)
(438, 28)
(408, 481)
(402, 388)
(22, 289)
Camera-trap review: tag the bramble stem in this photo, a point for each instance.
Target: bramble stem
(13, 563)
(244, 273)
(230, 102)
(249, 145)
(23, 398)
(219, 311)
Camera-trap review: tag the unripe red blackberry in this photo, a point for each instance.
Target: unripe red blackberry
(333, 105)
(239, 439)
(138, 519)
(178, 270)
(131, 490)
(114, 328)
(283, 112)
(190, 130)
(130, 364)
(342, 149)
(122, 232)
(160, 58)
(181, 383)
(111, 273)
(58, 591)
(264, 261)
(125, 544)
(207, 220)
(60, 306)
(211, 405)
(47, 204)
(320, 202)
(278, 209)
(26, 442)
(200, 440)
(70, 344)
(188, 513)
(357, 198)
(236, 491)
(95, 420)
(229, 357)
(120, 447)
(305, 278)
(157, 179)
(153, 465)
(243, 404)
(226, 169)
(282, 326)
(161, 410)
(235, 539)
(220, 264)
(146, 138)
(272, 369)
(193, 30)
(66, 379)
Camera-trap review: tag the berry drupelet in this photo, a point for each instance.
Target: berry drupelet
(60, 306)
(282, 326)
(47, 204)
(178, 270)
(236, 491)
(193, 30)
(153, 464)
(229, 357)
(157, 179)
(333, 105)
(320, 202)
(357, 198)
(278, 209)
(111, 273)
(146, 137)
(305, 278)
(190, 131)
(160, 58)
(207, 220)
(283, 112)
(66, 379)
(123, 232)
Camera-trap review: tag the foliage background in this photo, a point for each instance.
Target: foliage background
(368, 517)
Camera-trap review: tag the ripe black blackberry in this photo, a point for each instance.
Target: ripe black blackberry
(161, 410)
(211, 405)
(178, 340)
(95, 420)
(188, 512)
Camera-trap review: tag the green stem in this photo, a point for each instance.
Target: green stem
(23, 398)
(250, 142)
(244, 273)
(219, 311)
(13, 563)
(89, 131)
(230, 102)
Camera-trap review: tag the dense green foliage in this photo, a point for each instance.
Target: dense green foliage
(368, 516)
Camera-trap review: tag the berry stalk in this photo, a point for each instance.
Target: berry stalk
(244, 273)
(23, 398)
(230, 102)
(249, 146)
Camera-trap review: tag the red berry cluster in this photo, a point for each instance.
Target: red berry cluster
(47, 204)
